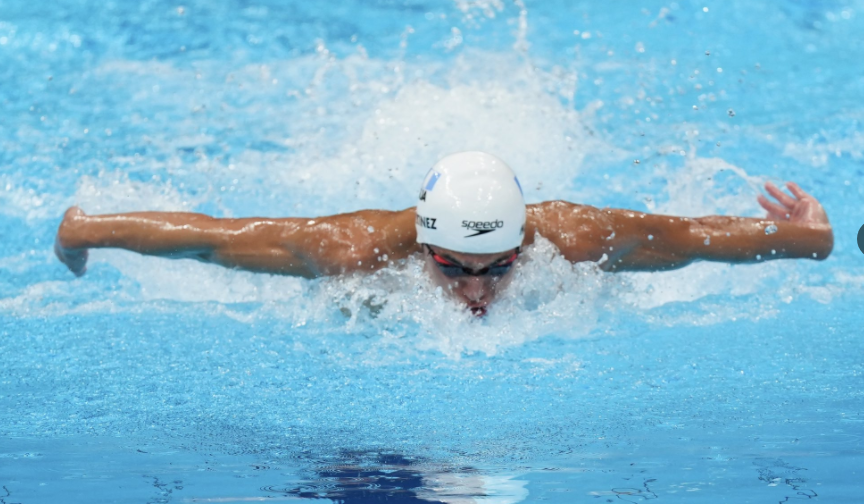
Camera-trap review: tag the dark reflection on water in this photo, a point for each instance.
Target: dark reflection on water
(363, 477)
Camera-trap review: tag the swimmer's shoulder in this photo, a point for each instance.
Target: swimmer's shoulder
(551, 217)
(579, 231)
(391, 233)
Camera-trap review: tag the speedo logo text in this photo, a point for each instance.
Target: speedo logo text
(482, 227)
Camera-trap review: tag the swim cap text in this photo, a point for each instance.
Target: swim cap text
(482, 227)
(426, 222)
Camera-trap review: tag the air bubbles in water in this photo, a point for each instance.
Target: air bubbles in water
(769, 230)
(731, 113)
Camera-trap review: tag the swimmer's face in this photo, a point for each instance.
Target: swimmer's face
(475, 279)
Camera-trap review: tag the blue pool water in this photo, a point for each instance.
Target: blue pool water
(149, 380)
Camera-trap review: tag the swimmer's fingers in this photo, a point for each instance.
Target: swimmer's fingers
(808, 210)
(779, 195)
(75, 260)
(775, 211)
(803, 208)
(797, 191)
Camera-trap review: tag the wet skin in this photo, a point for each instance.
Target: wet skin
(476, 291)
(796, 226)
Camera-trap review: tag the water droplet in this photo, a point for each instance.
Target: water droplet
(650, 237)
(731, 113)
(635, 161)
(370, 229)
(707, 240)
(771, 229)
(707, 53)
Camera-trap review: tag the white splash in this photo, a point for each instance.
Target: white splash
(363, 133)
(114, 192)
(819, 154)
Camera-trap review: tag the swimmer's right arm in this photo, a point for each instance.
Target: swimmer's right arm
(359, 241)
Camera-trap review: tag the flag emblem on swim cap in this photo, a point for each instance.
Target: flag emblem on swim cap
(432, 180)
(429, 185)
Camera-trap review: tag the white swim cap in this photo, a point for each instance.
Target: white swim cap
(471, 202)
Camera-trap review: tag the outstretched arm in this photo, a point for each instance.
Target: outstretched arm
(364, 240)
(796, 227)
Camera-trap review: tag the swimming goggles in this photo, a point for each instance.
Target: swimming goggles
(452, 269)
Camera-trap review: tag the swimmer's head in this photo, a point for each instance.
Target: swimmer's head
(471, 222)
(471, 202)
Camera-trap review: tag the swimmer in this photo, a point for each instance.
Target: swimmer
(471, 226)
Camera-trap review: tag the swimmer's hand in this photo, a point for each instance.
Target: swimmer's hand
(74, 258)
(801, 209)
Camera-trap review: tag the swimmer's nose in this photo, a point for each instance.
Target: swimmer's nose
(475, 291)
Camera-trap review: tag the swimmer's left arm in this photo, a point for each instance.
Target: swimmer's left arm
(795, 227)
(624, 240)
